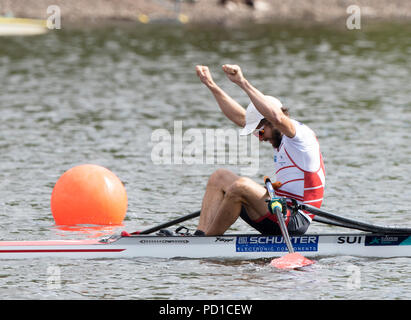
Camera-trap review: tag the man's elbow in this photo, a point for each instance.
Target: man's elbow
(241, 122)
(277, 119)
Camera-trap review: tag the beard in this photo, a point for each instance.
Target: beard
(276, 138)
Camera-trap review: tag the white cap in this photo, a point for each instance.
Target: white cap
(253, 116)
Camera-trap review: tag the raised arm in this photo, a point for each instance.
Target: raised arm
(267, 108)
(231, 109)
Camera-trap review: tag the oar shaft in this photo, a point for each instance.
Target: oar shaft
(353, 223)
(170, 223)
(335, 223)
(279, 215)
(284, 230)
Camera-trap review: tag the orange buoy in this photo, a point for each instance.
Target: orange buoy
(89, 194)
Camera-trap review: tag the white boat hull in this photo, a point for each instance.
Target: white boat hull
(225, 247)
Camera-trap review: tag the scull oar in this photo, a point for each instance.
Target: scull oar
(349, 223)
(169, 224)
(293, 259)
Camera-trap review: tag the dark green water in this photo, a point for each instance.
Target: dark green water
(96, 96)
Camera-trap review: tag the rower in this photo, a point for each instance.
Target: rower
(298, 164)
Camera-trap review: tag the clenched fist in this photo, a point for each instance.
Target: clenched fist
(234, 73)
(205, 76)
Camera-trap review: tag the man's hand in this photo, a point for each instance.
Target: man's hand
(234, 73)
(231, 109)
(205, 76)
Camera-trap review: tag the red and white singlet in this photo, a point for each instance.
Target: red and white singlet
(299, 167)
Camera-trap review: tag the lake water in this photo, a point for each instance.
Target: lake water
(97, 96)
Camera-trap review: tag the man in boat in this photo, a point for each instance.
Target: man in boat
(298, 164)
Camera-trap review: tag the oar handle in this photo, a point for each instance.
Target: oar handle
(269, 186)
(274, 202)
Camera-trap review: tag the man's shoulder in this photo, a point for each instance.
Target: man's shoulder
(303, 134)
(299, 124)
(303, 148)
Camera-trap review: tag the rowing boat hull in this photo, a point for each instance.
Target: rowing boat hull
(249, 246)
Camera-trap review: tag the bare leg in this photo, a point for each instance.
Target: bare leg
(226, 192)
(216, 188)
(242, 191)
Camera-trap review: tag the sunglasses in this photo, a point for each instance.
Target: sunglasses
(259, 132)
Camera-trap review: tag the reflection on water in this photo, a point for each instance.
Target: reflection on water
(89, 231)
(96, 96)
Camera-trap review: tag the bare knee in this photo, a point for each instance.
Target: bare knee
(222, 179)
(239, 188)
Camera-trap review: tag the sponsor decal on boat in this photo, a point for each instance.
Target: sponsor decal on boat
(275, 243)
(224, 239)
(391, 240)
(163, 241)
